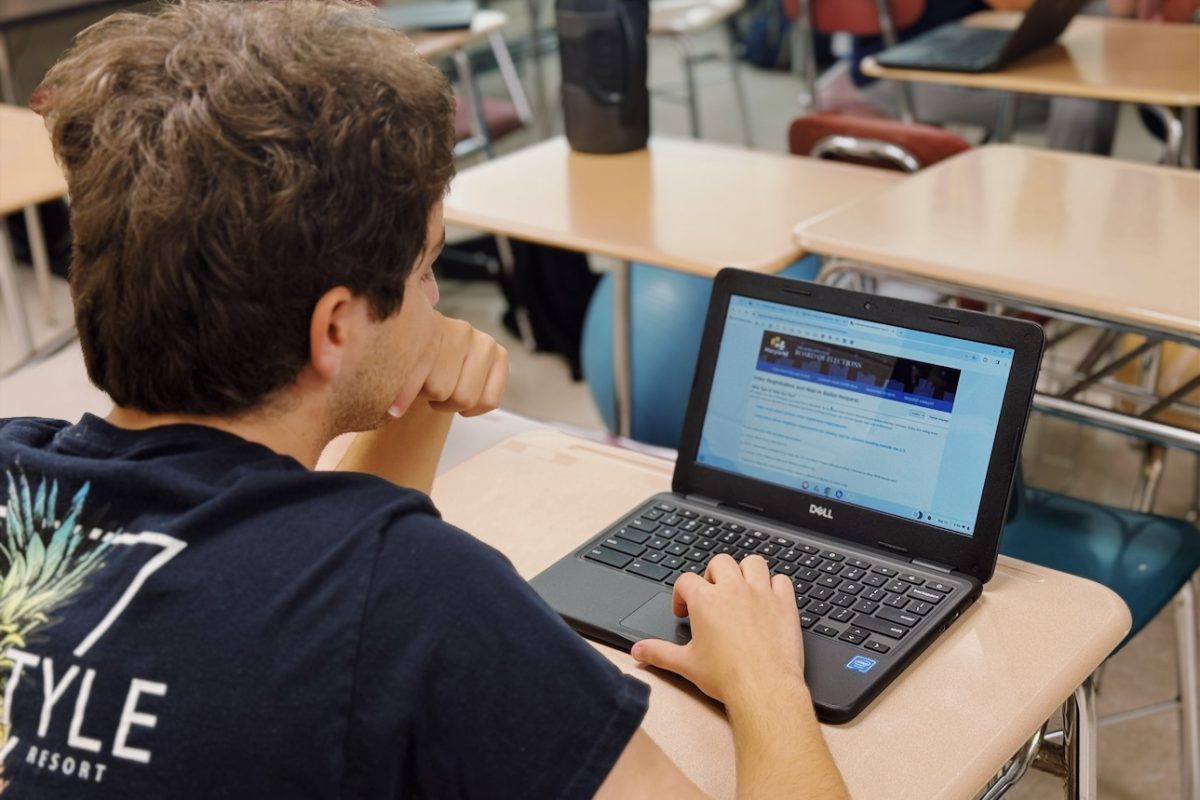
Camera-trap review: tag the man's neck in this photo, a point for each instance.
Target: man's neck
(289, 434)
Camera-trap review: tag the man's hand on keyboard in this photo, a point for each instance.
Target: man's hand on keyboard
(746, 643)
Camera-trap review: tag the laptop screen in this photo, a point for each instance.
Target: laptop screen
(879, 416)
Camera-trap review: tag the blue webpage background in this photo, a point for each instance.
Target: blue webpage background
(906, 453)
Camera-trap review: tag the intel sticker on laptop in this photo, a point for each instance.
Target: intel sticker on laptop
(861, 664)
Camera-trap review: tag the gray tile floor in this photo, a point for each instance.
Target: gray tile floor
(1137, 759)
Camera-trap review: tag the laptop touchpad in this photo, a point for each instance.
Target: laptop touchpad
(655, 619)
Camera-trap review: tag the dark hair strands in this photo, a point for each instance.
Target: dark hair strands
(228, 164)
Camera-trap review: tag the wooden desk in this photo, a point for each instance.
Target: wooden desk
(1112, 243)
(940, 731)
(682, 204)
(1095, 57)
(28, 175)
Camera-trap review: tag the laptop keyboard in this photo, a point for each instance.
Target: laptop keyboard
(838, 595)
(956, 49)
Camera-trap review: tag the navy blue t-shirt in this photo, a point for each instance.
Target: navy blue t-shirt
(186, 614)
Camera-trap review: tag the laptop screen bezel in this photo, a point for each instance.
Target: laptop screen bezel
(973, 555)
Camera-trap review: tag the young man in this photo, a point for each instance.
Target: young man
(188, 609)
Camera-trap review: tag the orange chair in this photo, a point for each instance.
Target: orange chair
(872, 141)
(858, 17)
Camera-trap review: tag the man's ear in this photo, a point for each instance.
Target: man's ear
(331, 327)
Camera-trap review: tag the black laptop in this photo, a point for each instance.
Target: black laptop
(967, 48)
(865, 446)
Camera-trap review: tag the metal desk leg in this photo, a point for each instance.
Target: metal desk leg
(622, 323)
(480, 136)
(1006, 118)
(10, 295)
(1189, 704)
(8, 86)
(1079, 740)
(41, 261)
(1187, 157)
(534, 57)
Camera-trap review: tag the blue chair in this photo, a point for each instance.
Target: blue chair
(667, 310)
(1147, 559)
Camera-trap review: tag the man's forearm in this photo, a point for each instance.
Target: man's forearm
(405, 451)
(780, 750)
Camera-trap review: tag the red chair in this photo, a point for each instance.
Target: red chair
(872, 141)
(881, 18)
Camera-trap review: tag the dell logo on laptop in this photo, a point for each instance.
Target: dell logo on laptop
(820, 511)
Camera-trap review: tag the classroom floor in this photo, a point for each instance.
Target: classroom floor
(1138, 759)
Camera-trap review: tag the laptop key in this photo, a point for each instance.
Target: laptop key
(672, 520)
(610, 557)
(842, 615)
(811, 561)
(806, 574)
(652, 515)
(671, 580)
(786, 569)
(677, 549)
(697, 569)
(880, 626)
(733, 527)
(685, 538)
(666, 533)
(853, 574)
(852, 638)
(852, 587)
(658, 544)
(915, 580)
(820, 593)
(762, 537)
(767, 549)
(874, 595)
(858, 563)
(937, 586)
(706, 544)
(899, 617)
(807, 620)
(652, 571)
(874, 580)
(819, 608)
(673, 562)
(825, 630)
(782, 542)
(890, 573)
(664, 507)
(729, 537)
(843, 600)
(926, 595)
(712, 521)
(876, 646)
(866, 607)
(801, 602)
(832, 581)
(831, 567)
(791, 554)
(644, 525)
(636, 536)
(896, 601)
(723, 550)
(919, 607)
(623, 546)
(897, 587)
(832, 556)
(696, 555)
(801, 586)
(687, 513)
(653, 556)
(807, 548)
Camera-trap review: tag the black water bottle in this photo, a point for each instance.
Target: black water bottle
(602, 45)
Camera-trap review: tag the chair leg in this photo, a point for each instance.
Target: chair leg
(739, 90)
(1149, 477)
(1079, 741)
(689, 84)
(1189, 711)
(804, 57)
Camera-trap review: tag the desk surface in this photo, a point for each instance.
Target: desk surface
(683, 204)
(1096, 236)
(435, 44)
(1096, 57)
(28, 172)
(959, 712)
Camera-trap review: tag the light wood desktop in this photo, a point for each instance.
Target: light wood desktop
(940, 731)
(1095, 236)
(1111, 243)
(1095, 57)
(687, 205)
(28, 175)
(682, 204)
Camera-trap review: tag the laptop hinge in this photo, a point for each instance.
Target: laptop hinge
(933, 565)
(702, 500)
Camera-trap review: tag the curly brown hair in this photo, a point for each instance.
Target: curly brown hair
(228, 164)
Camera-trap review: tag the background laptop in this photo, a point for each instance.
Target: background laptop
(864, 445)
(966, 48)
